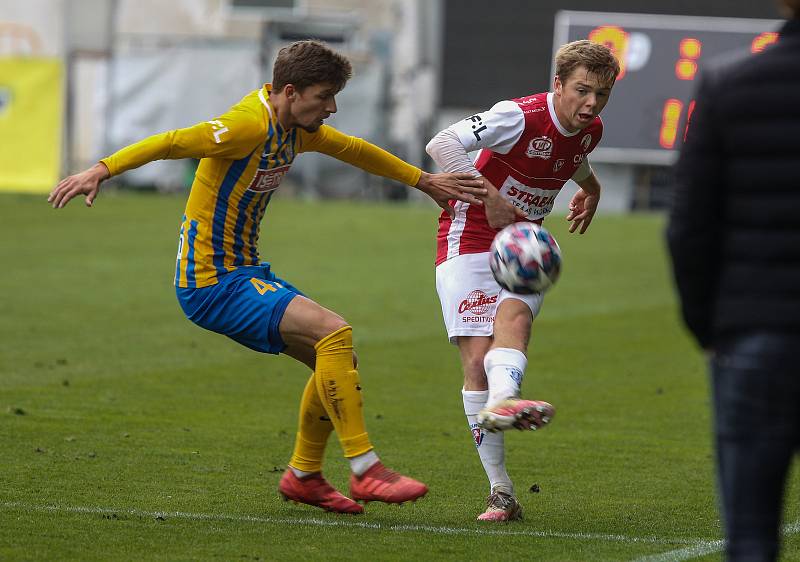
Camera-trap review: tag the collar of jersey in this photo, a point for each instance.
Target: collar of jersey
(271, 110)
(552, 109)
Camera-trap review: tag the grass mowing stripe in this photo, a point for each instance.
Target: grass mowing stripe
(342, 523)
(687, 553)
(702, 549)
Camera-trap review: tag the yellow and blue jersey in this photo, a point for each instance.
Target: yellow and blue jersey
(243, 155)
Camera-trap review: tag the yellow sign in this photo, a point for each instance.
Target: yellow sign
(31, 117)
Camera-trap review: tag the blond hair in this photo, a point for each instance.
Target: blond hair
(598, 60)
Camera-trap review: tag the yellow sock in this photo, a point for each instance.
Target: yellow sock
(313, 430)
(340, 392)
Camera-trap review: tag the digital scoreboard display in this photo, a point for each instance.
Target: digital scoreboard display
(660, 56)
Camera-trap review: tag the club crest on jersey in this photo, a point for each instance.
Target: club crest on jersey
(540, 147)
(559, 164)
(267, 180)
(586, 141)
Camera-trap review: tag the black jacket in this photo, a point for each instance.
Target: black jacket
(734, 228)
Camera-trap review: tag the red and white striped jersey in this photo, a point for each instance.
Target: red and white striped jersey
(527, 155)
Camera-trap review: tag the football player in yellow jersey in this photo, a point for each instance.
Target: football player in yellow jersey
(223, 286)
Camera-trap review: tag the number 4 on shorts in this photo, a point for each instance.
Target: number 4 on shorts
(262, 286)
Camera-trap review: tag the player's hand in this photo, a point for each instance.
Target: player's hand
(582, 208)
(443, 188)
(500, 212)
(85, 183)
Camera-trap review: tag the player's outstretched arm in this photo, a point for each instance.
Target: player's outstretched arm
(442, 188)
(84, 183)
(584, 203)
(500, 212)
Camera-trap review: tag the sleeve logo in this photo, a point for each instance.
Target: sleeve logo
(217, 128)
(477, 125)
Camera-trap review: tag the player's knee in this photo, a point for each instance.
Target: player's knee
(513, 321)
(334, 325)
(515, 311)
(329, 322)
(329, 325)
(521, 321)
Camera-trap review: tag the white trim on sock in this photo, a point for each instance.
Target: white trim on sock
(300, 473)
(360, 464)
(474, 401)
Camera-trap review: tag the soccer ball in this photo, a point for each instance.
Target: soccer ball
(525, 258)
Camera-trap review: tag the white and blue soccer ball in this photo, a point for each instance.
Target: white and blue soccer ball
(525, 258)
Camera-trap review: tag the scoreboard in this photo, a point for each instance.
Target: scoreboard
(660, 56)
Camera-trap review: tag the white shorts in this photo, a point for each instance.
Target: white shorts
(470, 295)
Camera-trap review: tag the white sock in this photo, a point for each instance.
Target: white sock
(490, 446)
(300, 473)
(360, 464)
(505, 368)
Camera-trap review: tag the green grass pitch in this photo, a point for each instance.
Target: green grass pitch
(127, 433)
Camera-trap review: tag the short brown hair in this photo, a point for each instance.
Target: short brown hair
(598, 60)
(304, 63)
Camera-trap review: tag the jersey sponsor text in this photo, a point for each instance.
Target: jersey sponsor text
(267, 180)
(533, 201)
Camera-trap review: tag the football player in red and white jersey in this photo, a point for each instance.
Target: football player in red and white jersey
(529, 148)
